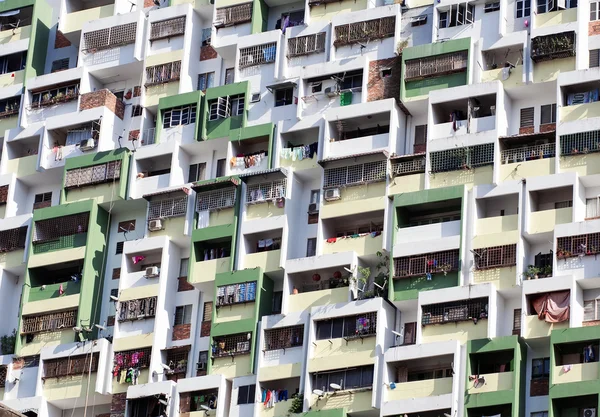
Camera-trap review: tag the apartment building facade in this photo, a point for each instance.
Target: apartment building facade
(321, 208)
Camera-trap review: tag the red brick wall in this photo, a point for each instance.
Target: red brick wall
(594, 28)
(205, 329)
(526, 130)
(117, 405)
(379, 87)
(538, 387)
(183, 284)
(591, 323)
(134, 134)
(61, 41)
(548, 127)
(181, 331)
(148, 3)
(207, 52)
(102, 98)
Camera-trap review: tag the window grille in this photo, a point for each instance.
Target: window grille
(591, 312)
(257, 55)
(53, 229)
(516, 321)
(233, 15)
(526, 119)
(179, 116)
(96, 174)
(135, 358)
(436, 65)
(163, 73)
(126, 226)
(553, 46)
(60, 65)
(224, 107)
(163, 209)
(119, 248)
(44, 323)
(236, 293)
(304, 45)
(467, 157)
(355, 174)
(580, 245)
(413, 166)
(235, 344)
(365, 31)
(266, 191)
(73, 365)
(10, 106)
(215, 199)
(284, 337)
(13, 239)
(495, 257)
(525, 153)
(347, 327)
(177, 359)
(167, 28)
(3, 194)
(580, 143)
(137, 309)
(428, 263)
(455, 311)
(3, 375)
(109, 38)
(54, 96)
(350, 378)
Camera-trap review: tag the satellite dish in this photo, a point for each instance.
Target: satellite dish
(205, 407)
(335, 386)
(318, 392)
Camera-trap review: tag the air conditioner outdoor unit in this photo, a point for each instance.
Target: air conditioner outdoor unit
(589, 412)
(87, 144)
(255, 98)
(152, 272)
(312, 208)
(155, 225)
(332, 194)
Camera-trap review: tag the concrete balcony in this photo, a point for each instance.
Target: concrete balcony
(267, 261)
(306, 163)
(74, 21)
(46, 306)
(149, 185)
(12, 78)
(545, 221)
(362, 245)
(263, 211)
(22, 167)
(53, 291)
(478, 176)
(354, 401)
(514, 80)
(526, 169)
(221, 217)
(461, 331)
(419, 389)
(501, 381)
(445, 130)
(356, 200)
(536, 328)
(280, 409)
(305, 301)
(206, 271)
(579, 372)
(498, 224)
(360, 145)
(18, 34)
(560, 17)
(434, 231)
(579, 112)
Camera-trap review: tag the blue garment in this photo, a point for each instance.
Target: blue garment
(269, 53)
(241, 293)
(251, 291)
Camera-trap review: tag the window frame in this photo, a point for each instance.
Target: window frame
(185, 314)
(543, 108)
(523, 7)
(545, 363)
(594, 14)
(246, 394)
(179, 116)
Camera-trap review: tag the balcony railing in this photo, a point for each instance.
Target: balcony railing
(284, 337)
(304, 45)
(528, 153)
(355, 174)
(579, 245)
(257, 55)
(215, 199)
(72, 365)
(455, 311)
(233, 15)
(55, 228)
(467, 157)
(49, 322)
(365, 31)
(434, 66)
(96, 174)
(413, 166)
(109, 38)
(167, 28)
(495, 257)
(232, 345)
(13, 239)
(139, 309)
(580, 143)
(427, 264)
(172, 207)
(554, 46)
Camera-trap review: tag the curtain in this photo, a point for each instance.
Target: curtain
(552, 307)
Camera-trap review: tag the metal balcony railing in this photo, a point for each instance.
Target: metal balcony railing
(527, 153)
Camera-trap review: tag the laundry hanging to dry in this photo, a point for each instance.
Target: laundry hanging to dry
(552, 307)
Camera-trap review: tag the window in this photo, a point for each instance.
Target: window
(126, 226)
(361, 377)
(11, 63)
(410, 333)
(592, 208)
(183, 315)
(420, 139)
(10, 106)
(563, 204)
(491, 7)
(540, 368)
(224, 107)
(516, 321)
(220, 167)
(231, 345)
(351, 81)
(206, 35)
(277, 301)
(228, 16)
(202, 363)
(60, 65)
(207, 311)
(590, 310)
(523, 8)
(305, 45)
(311, 246)
(179, 116)
(236, 293)
(284, 96)
(206, 80)
(527, 117)
(163, 73)
(594, 56)
(266, 191)
(359, 325)
(293, 19)
(54, 229)
(197, 172)
(246, 394)
(116, 274)
(548, 114)
(183, 267)
(136, 110)
(42, 200)
(229, 74)
(594, 11)
(540, 414)
(418, 20)
(495, 257)
(459, 14)
(119, 248)
(55, 95)
(136, 309)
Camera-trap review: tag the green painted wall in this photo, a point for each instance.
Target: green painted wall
(429, 196)
(336, 412)
(166, 103)
(221, 128)
(409, 288)
(423, 87)
(38, 43)
(51, 291)
(260, 16)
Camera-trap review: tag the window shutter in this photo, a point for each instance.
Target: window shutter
(410, 333)
(527, 117)
(594, 58)
(516, 321)
(589, 310)
(420, 134)
(207, 313)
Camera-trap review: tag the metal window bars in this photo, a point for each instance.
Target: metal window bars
(579, 245)
(236, 293)
(257, 55)
(163, 73)
(495, 257)
(54, 229)
(413, 166)
(467, 157)
(96, 174)
(44, 323)
(139, 309)
(3, 375)
(436, 65)
(215, 199)
(109, 38)
(553, 46)
(284, 337)
(305, 45)
(527, 153)
(365, 31)
(427, 263)
(231, 345)
(13, 239)
(580, 143)
(233, 15)
(72, 365)
(177, 359)
(171, 207)
(455, 311)
(355, 174)
(54, 96)
(266, 191)
(135, 358)
(167, 28)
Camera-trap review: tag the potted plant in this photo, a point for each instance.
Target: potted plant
(532, 272)
(547, 271)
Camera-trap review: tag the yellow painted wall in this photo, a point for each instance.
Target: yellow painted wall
(52, 304)
(121, 388)
(327, 11)
(334, 353)
(419, 389)
(12, 259)
(364, 245)
(171, 227)
(235, 312)
(503, 278)
(22, 167)
(17, 34)
(103, 193)
(75, 20)
(7, 79)
(8, 123)
(406, 184)
(221, 217)
(520, 170)
(279, 409)
(355, 200)
(495, 239)
(288, 370)
(263, 211)
(579, 112)
(43, 340)
(55, 257)
(299, 165)
(164, 58)
(239, 366)
(206, 271)
(559, 17)
(197, 3)
(477, 176)
(139, 292)
(133, 342)
(269, 261)
(501, 381)
(156, 92)
(354, 402)
(307, 300)
(461, 331)
(534, 327)
(588, 164)
(74, 386)
(544, 221)
(498, 224)
(514, 80)
(579, 372)
(549, 70)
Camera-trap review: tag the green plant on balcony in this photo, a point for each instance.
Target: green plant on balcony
(532, 272)
(7, 343)
(296, 407)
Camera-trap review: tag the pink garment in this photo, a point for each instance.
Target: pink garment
(60, 290)
(137, 259)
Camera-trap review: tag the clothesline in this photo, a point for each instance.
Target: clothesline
(298, 153)
(335, 239)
